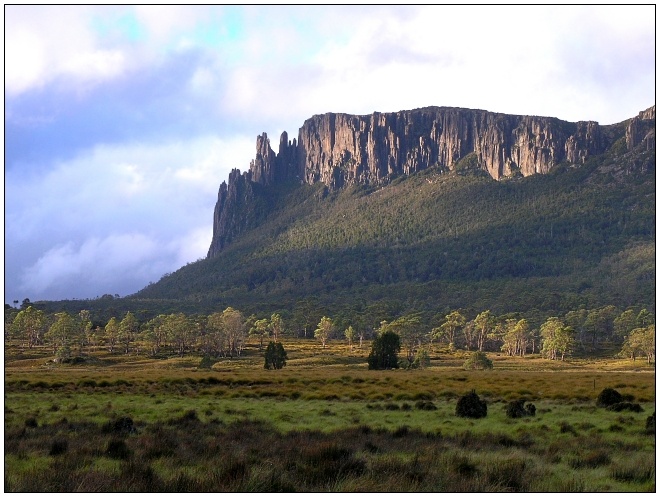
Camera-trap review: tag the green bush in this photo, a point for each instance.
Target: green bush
(384, 350)
(275, 356)
(478, 360)
(518, 409)
(471, 406)
(608, 397)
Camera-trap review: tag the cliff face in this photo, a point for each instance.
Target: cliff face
(343, 149)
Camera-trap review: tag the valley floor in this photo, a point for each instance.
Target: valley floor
(323, 423)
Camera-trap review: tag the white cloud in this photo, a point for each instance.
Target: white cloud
(125, 212)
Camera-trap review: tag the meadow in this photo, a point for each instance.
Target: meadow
(324, 422)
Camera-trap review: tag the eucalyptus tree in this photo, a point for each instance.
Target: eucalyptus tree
(235, 330)
(260, 330)
(29, 325)
(516, 337)
(128, 328)
(324, 329)
(483, 324)
(62, 334)
(410, 331)
(640, 341)
(155, 333)
(181, 333)
(276, 326)
(111, 333)
(350, 335)
(557, 339)
(454, 321)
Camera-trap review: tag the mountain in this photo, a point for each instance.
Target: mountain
(341, 150)
(369, 217)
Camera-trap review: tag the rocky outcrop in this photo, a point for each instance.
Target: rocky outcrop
(340, 149)
(641, 130)
(344, 149)
(234, 210)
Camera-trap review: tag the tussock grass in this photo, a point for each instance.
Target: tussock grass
(324, 423)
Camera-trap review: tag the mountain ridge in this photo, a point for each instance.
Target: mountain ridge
(341, 150)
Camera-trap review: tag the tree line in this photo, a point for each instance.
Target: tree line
(225, 334)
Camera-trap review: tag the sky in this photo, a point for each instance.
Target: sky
(122, 121)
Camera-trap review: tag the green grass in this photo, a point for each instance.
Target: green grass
(238, 427)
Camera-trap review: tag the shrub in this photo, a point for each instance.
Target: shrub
(206, 362)
(471, 406)
(123, 425)
(384, 350)
(425, 405)
(117, 449)
(518, 409)
(478, 360)
(275, 356)
(650, 424)
(592, 460)
(58, 447)
(625, 406)
(608, 397)
(565, 427)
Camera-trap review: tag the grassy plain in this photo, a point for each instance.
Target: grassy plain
(324, 422)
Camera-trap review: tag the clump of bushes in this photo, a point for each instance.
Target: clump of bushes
(58, 447)
(117, 449)
(471, 406)
(608, 397)
(275, 356)
(425, 405)
(650, 424)
(518, 409)
(478, 360)
(123, 425)
(625, 406)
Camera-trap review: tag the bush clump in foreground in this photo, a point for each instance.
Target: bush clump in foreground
(471, 406)
(518, 409)
(478, 360)
(608, 397)
(625, 406)
(650, 424)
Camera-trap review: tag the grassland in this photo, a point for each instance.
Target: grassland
(323, 423)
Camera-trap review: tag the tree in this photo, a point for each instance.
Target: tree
(234, 328)
(454, 321)
(557, 339)
(276, 326)
(155, 333)
(350, 335)
(324, 330)
(640, 341)
(384, 350)
(111, 333)
(516, 337)
(62, 334)
(275, 356)
(260, 330)
(29, 324)
(409, 329)
(180, 332)
(483, 324)
(625, 323)
(85, 335)
(128, 328)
